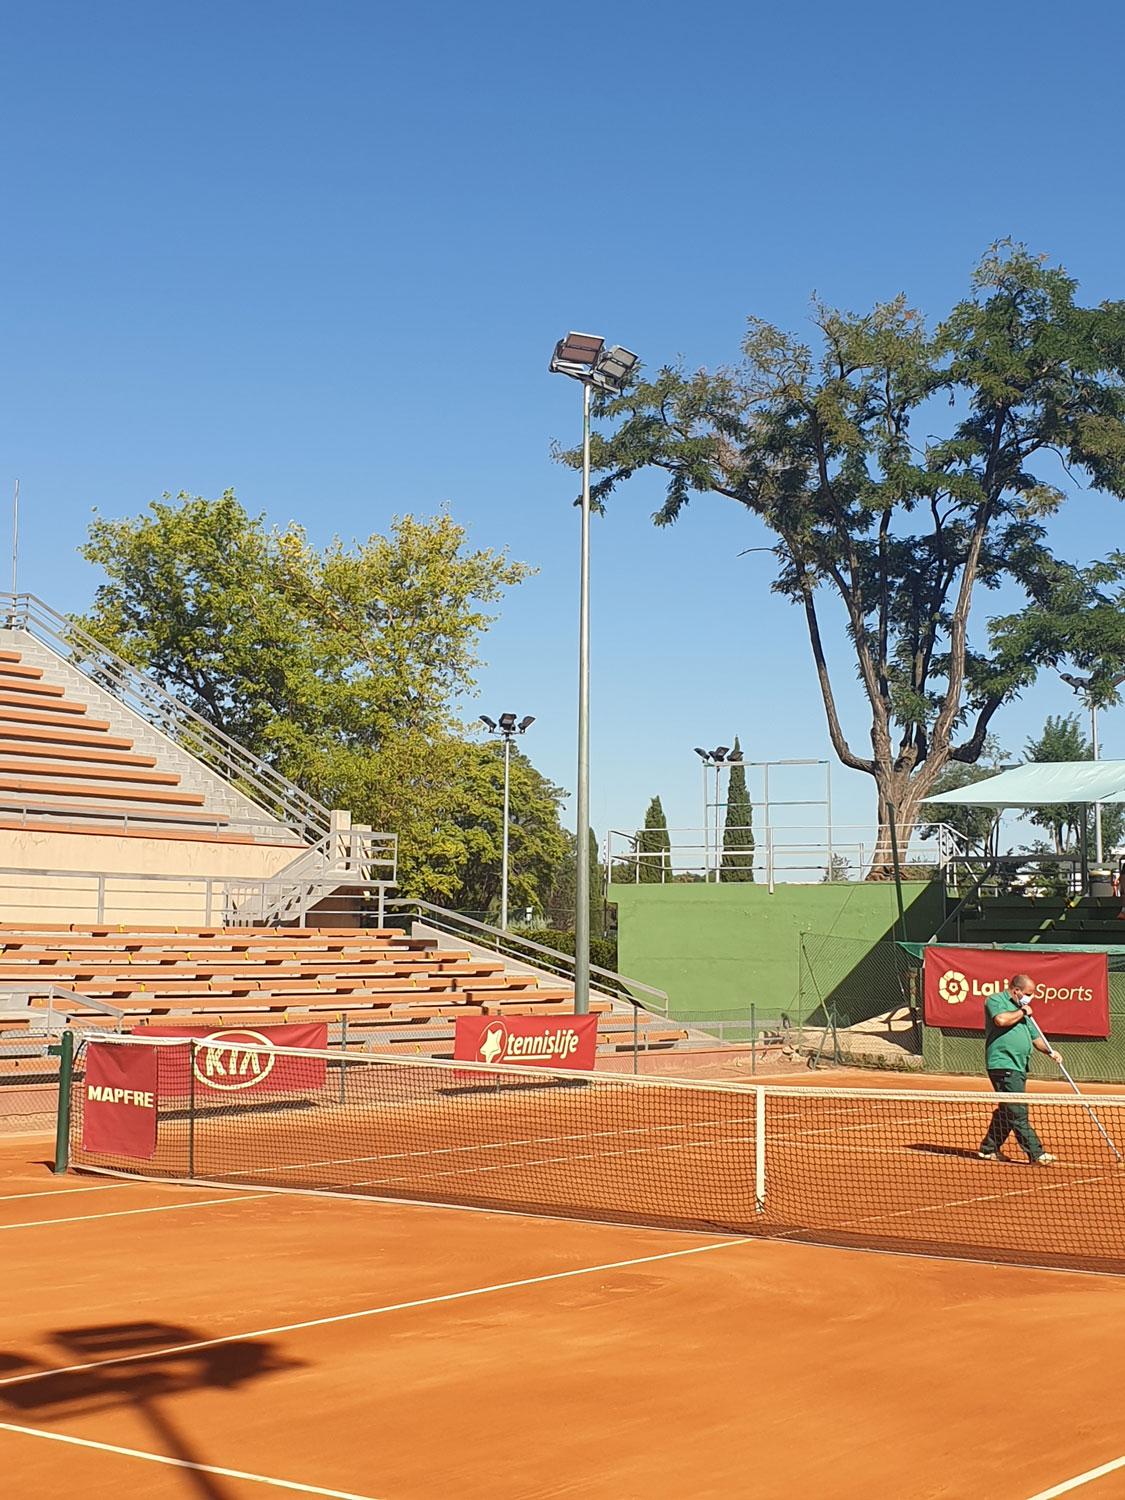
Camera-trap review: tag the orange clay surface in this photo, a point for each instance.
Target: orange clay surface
(748, 1369)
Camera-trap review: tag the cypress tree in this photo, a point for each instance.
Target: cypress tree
(654, 847)
(738, 835)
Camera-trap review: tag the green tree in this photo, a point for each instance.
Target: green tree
(738, 832)
(341, 666)
(830, 450)
(536, 842)
(1068, 824)
(654, 847)
(597, 890)
(561, 903)
(976, 826)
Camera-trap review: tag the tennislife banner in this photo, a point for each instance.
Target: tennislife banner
(527, 1041)
(231, 1072)
(1071, 989)
(119, 1111)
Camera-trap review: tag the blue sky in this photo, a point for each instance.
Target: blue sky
(320, 253)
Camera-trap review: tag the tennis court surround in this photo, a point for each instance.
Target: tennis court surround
(849, 1167)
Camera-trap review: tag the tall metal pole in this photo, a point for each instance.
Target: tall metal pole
(1097, 805)
(718, 836)
(504, 857)
(582, 874)
(16, 534)
(706, 830)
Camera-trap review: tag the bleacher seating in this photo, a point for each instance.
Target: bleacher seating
(381, 990)
(1045, 920)
(62, 768)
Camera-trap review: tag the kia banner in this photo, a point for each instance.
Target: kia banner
(119, 1111)
(1071, 996)
(527, 1041)
(233, 1071)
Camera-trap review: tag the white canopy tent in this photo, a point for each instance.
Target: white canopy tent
(1043, 784)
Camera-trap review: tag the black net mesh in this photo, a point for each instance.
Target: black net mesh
(879, 1168)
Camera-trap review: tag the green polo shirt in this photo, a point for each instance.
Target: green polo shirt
(1005, 1046)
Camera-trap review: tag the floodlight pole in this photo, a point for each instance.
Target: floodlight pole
(1097, 805)
(504, 857)
(582, 871)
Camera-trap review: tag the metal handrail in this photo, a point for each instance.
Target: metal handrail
(53, 992)
(168, 714)
(556, 961)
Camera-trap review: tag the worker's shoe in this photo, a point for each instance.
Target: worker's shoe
(990, 1156)
(1045, 1160)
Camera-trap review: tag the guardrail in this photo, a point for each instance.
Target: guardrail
(253, 777)
(780, 853)
(523, 949)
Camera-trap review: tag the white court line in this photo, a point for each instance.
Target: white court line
(184, 1463)
(373, 1312)
(58, 1192)
(1080, 1479)
(124, 1213)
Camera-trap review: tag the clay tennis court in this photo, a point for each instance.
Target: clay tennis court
(163, 1340)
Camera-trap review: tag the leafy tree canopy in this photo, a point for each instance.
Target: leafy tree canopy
(899, 468)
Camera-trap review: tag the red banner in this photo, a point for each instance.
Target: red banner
(1071, 996)
(119, 1113)
(527, 1041)
(231, 1072)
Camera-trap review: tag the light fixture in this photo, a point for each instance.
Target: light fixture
(526, 723)
(703, 754)
(507, 723)
(720, 753)
(489, 724)
(583, 356)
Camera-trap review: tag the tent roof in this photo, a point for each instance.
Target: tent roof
(1043, 784)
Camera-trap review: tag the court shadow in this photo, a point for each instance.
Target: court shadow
(136, 1366)
(965, 1152)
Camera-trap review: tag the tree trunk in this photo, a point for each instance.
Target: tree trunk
(904, 792)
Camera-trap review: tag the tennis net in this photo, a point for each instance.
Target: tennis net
(871, 1168)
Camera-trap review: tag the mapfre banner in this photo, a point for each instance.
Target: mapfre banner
(527, 1041)
(119, 1111)
(1071, 996)
(235, 1071)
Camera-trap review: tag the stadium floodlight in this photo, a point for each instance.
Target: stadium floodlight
(507, 729)
(585, 358)
(720, 753)
(734, 758)
(703, 754)
(614, 368)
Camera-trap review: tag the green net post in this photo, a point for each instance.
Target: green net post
(753, 1039)
(343, 1057)
(63, 1049)
(191, 1109)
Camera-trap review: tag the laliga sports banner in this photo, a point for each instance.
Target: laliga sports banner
(233, 1073)
(1071, 996)
(119, 1112)
(527, 1041)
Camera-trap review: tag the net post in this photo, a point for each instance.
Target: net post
(636, 1022)
(759, 1150)
(64, 1051)
(753, 1040)
(191, 1108)
(343, 1057)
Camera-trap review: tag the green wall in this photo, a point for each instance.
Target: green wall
(718, 948)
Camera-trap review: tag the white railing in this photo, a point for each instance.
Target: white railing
(354, 860)
(280, 797)
(810, 855)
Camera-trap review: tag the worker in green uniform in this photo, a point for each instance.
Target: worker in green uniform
(1009, 1035)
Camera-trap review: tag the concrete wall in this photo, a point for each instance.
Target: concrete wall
(717, 948)
(54, 877)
